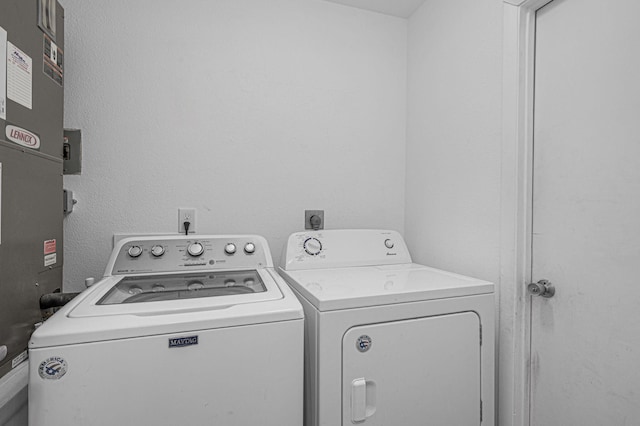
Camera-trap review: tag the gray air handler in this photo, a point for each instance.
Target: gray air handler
(31, 165)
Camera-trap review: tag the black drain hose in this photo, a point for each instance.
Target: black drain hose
(55, 300)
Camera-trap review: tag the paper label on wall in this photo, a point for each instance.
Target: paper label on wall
(50, 259)
(3, 74)
(19, 76)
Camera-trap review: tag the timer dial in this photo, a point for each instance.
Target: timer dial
(135, 251)
(249, 248)
(312, 246)
(388, 243)
(195, 249)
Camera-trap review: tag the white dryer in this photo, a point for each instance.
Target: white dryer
(182, 330)
(388, 341)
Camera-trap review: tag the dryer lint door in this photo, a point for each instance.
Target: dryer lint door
(423, 371)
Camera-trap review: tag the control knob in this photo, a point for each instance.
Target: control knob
(388, 243)
(230, 248)
(157, 250)
(195, 249)
(134, 251)
(312, 246)
(249, 248)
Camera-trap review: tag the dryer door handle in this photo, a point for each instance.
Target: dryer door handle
(363, 399)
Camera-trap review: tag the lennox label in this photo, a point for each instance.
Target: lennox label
(22, 137)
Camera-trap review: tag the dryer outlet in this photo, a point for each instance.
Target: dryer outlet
(314, 219)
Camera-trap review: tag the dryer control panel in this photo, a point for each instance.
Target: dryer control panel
(188, 253)
(344, 248)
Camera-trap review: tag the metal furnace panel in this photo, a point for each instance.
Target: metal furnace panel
(31, 182)
(31, 253)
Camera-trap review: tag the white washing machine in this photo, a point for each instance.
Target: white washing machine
(388, 341)
(182, 330)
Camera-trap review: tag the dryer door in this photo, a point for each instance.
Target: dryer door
(423, 371)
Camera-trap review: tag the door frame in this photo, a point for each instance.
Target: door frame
(516, 210)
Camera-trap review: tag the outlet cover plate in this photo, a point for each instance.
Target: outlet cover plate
(183, 214)
(307, 218)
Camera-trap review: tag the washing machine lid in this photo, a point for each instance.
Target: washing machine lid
(85, 320)
(158, 294)
(347, 288)
(146, 289)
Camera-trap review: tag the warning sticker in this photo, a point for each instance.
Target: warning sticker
(53, 63)
(49, 246)
(19, 76)
(50, 259)
(17, 360)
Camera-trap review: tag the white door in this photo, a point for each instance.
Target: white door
(415, 372)
(585, 340)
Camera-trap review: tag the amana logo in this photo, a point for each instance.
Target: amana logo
(22, 137)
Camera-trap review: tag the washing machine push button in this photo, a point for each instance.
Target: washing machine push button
(230, 248)
(249, 248)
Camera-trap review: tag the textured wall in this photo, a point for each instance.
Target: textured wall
(454, 136)
(249, 111)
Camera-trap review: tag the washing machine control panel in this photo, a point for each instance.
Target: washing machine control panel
(188, 253)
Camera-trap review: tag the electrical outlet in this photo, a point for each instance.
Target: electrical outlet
(314, 219)
(187, 215)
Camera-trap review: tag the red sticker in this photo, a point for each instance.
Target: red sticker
(49, 246)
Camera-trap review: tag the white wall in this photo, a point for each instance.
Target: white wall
(452, 195)
(250, 111)
(454, 135)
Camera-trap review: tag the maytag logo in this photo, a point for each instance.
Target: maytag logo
(22, 137)
(180, 342)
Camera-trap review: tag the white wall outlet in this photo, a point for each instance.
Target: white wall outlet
(187, 215)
